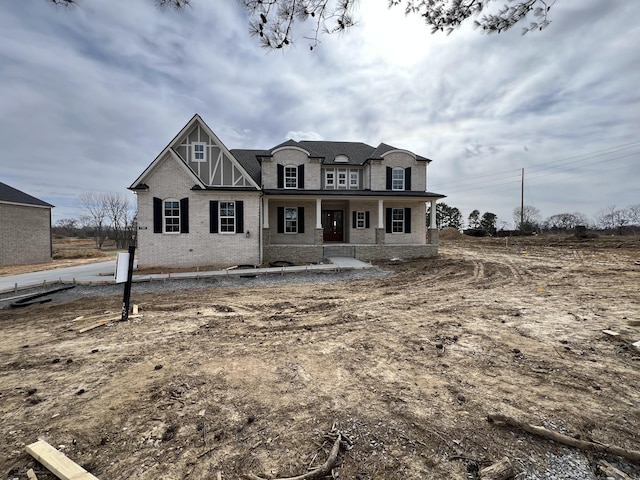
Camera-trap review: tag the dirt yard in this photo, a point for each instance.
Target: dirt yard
(223, 382)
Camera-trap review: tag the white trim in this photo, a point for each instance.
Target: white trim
(194, 152)
(235, 215)
(399, 150)
(290, 147)
(404, 179)
(164, 216)
(195, 120)
(295, 176)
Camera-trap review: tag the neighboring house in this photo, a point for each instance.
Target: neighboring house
(200, 204)
(25, 236)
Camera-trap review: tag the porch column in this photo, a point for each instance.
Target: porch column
(432, 214)
(318, 213)
(380, 230)
(433, 227)
(265, 212)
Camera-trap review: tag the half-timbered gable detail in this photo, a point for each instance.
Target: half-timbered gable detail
(301, 201)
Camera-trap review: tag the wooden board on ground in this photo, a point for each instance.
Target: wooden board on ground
(57, 462)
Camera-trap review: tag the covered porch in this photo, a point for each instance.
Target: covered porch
(300, 229)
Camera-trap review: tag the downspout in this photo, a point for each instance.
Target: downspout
(260, 229)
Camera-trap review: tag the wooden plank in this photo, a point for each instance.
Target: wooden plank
(99, 324)
(634, 323)
(611, 333)
(57, 462)
(93, 317)
(31, 475)
(104, 321)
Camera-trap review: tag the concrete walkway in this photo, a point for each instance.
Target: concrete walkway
(103, 273)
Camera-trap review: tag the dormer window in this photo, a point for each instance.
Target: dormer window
(341, 159)
(290, 177)
(197, 152)
(397, 179)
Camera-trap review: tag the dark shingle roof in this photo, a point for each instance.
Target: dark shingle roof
(356, 152)
(249, 161)
(13, 195)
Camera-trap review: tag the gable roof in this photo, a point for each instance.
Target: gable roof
(196, 119)
(13, 195)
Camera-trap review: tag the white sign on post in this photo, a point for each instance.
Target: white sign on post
(122, 267)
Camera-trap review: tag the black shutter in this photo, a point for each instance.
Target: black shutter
(213, 216)
(354, 219)
(157, 215)
(300, 219)
(280, 219)
(407, 220)
(366, 220)
(389, 178)
(239, 216)
(389, 219)
(184, 215)
(407, 178)
(280, 176)
(300, 176)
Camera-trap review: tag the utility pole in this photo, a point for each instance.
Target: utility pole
(522, 203)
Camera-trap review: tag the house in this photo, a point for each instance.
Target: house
(201, 204)
(25, 236)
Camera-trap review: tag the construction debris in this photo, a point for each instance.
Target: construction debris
(57, 462)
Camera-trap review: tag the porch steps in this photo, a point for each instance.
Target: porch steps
(339, 251)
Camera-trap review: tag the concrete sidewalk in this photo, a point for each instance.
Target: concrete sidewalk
(102, 273)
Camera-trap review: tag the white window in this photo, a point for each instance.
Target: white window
(342, 179)
(171, 216)
(329, 179)
(290, 177)
(361, 220)
(353, 179)
(227, 217)
(291, 220)
(397, 220)
(198, 152)
(397, 179)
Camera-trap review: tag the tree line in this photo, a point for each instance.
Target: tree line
(528, 220)
(105, 216)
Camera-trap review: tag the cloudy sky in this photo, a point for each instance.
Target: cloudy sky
(91, 95)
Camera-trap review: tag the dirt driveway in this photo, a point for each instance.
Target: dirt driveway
(221, 382)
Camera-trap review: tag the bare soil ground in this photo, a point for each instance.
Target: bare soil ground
(248, 380)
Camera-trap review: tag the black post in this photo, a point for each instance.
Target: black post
(127, 286)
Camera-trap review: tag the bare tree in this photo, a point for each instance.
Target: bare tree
(95, 212)
(610, 218)
(273, 21)
(527, 219)
(634, 214)
(565, 221)
(67, 227)
(121, 216)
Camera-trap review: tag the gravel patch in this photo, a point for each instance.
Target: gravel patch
(174, 284)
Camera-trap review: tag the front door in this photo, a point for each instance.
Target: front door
(333, 225)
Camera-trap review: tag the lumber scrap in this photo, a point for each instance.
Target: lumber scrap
(31, 475)
(320, 472)
(611, 333)
(631, 455)
(104, 321)
(57, 462)
(501, 470)
(633, 323)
